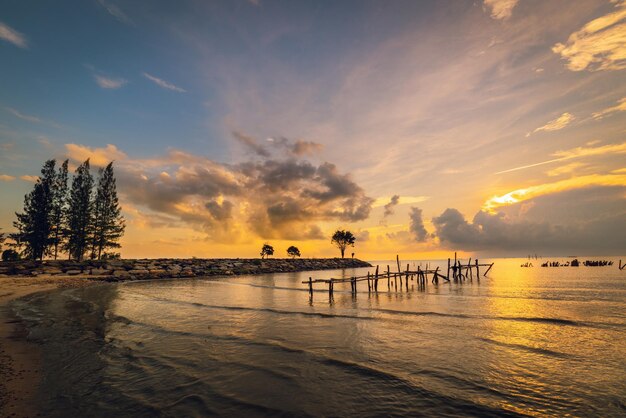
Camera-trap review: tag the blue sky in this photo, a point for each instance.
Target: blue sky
(438, 102)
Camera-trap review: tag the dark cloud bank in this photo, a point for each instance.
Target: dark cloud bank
(584, 221)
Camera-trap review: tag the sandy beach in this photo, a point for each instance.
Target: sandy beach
(20, 359)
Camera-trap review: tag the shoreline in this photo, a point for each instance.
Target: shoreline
(20, 359)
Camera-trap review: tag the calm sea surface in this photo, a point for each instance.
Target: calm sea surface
(523, 341)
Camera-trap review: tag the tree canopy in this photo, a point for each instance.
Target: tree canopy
(342, 239)
(267, 250)
(293, 251)
(79, 221)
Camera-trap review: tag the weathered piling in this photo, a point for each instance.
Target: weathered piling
(488, 269)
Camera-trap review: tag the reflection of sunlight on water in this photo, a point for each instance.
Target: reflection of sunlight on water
(536, 341)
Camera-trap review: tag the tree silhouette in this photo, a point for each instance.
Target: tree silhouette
(58, 209)
(293, 252)
(34, 225)
(108, 223)
(2, 238)
(267, 250)
(342, 239)
(80, 208)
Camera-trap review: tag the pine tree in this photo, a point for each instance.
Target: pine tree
(79, 212)
(59, 203)
(108, 223)
(34, 226)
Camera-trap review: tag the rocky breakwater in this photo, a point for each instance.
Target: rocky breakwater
(122, 270)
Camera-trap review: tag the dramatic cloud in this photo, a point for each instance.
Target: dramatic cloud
(274, 197)
(6, 177)
(500, 9)
(31, 179)
(97, 156)
(11, 35)
(591, 220)
(556, 124)
(395, 199)
(416, 225)
(619, 107)
(599, 45)
(109, 83)
(162, 83)
(579, 152)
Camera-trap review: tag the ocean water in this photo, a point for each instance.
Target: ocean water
(522, 341)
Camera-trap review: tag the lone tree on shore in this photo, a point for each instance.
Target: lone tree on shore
(342, 239)
(80, 214)
(293, 252)
(108, 222)
(34, 224)
(267, 250)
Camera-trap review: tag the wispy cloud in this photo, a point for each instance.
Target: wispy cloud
(11, 35)
(115, 11)
(18, 114)
(555, 124)
(599, 45)
(619, 107)
(500, 9)
(402, 200)
(109, 83)
(6, 177)
(162, 83)
(578, 152)
(28, 178)
(520, 195)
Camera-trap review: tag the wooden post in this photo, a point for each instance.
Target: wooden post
(376, 280)
(469, 268)
(311, 287)
(369, 286)
(388, 278)
(399, 272)
(448, 274)
(488, 270)
(435, 278)
(477, 270)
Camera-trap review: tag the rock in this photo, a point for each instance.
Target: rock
(121, 273)
(138, 272)
(73, 272)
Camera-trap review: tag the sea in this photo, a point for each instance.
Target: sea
(520, 341)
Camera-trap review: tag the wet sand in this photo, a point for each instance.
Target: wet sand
(19, 359)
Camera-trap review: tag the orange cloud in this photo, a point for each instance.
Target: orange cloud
(619, 107)
(97, 156)
(556, 124)
(599, 45)
(520, 195)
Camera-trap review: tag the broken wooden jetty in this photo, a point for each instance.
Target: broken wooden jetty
(460, 272)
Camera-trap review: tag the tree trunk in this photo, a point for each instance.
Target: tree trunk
(343, 250)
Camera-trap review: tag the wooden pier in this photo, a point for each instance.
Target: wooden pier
(460, 273)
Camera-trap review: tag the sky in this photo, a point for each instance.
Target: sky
(492, 128)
